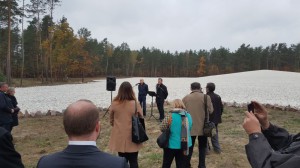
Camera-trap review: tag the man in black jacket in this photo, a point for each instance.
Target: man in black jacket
(9, 157)
(6, 108)
(82, 125)
(216, 115)
(143, 91)
(161, 95)
(269, 146)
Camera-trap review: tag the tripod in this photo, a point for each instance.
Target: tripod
(152, 94)
(109, 105)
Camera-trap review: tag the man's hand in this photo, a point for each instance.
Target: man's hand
(251, 124)
(261, 114)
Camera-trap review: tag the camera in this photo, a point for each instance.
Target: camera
(250, 107)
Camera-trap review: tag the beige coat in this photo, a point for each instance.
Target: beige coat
(121, 121)
(194, 104)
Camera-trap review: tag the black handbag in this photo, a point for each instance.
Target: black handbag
(209, 126)
(163, 140)
(138, 132)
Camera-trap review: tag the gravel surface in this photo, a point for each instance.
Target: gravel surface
(266, 86)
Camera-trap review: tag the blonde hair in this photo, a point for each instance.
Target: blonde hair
(179, 104)
(10, 89)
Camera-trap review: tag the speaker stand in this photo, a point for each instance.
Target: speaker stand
(151, 115)
(109, 105)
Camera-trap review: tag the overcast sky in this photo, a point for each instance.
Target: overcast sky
(186, 24)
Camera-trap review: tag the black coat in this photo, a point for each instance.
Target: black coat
(161, 92)
(5, 109)
(9, 157)
(216, 116)
(82, 156)
(275, 148)
(143, 90)
(14, 103)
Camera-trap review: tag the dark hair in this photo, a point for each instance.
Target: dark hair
(82, 120)
(211, 86)
(195, 86)
(125, 92)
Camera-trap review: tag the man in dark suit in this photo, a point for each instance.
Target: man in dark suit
(81, 123)
(143, 90)
(6, 108)
(161, 95)
(9, 157)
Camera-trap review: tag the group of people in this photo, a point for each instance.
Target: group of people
(194, 105)
(161, 94)
(269, 146)
(8, 107)
(8, 119)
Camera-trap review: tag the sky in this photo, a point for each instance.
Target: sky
(180, 25)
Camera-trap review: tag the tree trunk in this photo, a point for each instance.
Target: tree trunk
(8, 68)
(22, 70)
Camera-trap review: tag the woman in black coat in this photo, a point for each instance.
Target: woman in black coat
(11, 95)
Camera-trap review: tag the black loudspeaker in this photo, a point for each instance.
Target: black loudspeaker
(110, 83)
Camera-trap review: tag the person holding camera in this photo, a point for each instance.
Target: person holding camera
(269, 145)
(161, 95)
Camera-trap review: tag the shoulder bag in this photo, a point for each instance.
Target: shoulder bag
(163, 140)
(138, 132)
(208, 125)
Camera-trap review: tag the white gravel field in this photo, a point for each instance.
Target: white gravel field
(266, 86)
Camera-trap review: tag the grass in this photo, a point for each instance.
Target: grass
(35, 137)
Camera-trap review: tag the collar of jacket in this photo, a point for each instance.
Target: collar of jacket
(81, 149)
(177, 110)
(194, 91)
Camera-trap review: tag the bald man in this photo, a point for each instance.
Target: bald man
(81, 123)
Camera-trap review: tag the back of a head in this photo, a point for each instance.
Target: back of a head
(80, 118)
(211, 87)
(2, 84)
(10, 90)
(178, 104)
(195, 86)
(125, 92)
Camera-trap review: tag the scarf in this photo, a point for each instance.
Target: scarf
(184, 132)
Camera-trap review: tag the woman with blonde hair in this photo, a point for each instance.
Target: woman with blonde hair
(179, 121)
(11, 95)
(121, 111)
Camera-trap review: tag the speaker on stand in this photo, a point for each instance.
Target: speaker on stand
(110, 86)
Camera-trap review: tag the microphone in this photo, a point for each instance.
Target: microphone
(137, 84)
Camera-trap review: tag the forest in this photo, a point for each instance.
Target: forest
(52, 51)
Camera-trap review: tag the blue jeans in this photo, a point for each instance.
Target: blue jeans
(142, 100)
(215, 141)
